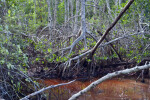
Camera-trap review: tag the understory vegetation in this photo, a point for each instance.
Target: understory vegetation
(42, 39)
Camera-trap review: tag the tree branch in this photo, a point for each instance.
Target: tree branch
(111, 26)
(107, 43)
(109, 76)
(43, 89)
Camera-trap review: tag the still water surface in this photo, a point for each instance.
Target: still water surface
(115, 89)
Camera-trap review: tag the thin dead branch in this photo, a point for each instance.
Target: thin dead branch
(44, 89)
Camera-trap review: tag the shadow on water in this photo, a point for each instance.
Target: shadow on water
(115, 89)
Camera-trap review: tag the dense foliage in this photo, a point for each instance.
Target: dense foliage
(28, 41)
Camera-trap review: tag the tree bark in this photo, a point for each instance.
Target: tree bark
(68, 9)
(83, 22)
(71, 7)
(76, 18)
(65, 2)
(49, 13)
(49, 17)
(55, 14)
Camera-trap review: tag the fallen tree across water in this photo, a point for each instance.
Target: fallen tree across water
(92, 85)
(109, 76)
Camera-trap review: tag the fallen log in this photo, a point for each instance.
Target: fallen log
(108, 76)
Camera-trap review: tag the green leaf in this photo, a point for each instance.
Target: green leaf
(27, 79)
(2, 61)
(13, 5)
(49, 50)
(88, 60)
(10, 66)
(19, 50)
(9, 12)
(105, 58)
(1, 28)
(37, 59)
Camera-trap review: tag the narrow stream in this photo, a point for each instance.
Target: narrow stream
(115, 89)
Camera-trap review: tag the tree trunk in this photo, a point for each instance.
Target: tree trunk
(71, 6)
(120, 2)
(55, 14)
(49, 17)
(83, 22)
(76, 17)
(66, 11)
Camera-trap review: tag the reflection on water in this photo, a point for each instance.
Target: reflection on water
(109, 90)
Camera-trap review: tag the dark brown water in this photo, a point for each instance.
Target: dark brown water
(116, 89)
